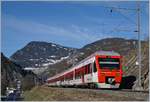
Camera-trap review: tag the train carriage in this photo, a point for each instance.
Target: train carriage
(103, 69)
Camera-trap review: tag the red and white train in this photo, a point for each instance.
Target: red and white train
(103, 69)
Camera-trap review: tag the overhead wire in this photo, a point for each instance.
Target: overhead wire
(131, 9)
(127, 18)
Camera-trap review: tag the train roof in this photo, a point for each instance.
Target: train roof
(109, 53)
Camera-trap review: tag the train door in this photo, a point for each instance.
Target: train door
(83, 70)
(94, 72)
(88, 73)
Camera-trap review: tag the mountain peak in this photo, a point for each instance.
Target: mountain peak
(39, 53)
(40, 43)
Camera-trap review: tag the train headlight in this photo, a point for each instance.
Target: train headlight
(111, 80)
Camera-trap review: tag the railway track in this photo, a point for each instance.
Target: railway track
(115, 90)
(119, 90)
(124, 93)
(129, 90)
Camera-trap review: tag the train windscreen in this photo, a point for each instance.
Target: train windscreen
(109, 63)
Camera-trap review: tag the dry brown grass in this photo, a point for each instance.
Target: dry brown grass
(43, 93)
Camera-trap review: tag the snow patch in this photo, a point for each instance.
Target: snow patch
(60, 47)
(51, 61)
(53, 45)
(53, 56)
(62, 58)
(88, 48)
(46, 64)
(33, 59)
(81, 53)
(36, 65)
(65, 48)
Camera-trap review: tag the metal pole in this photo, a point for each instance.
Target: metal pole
(139, 40)
(139, 43)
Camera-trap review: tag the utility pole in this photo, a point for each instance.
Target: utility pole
(139, 43)
(139, 40)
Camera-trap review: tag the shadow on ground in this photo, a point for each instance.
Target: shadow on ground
(127, 82)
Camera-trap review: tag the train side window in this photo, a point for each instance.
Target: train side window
(89, 71)
(86, 69)
(77, 75)
(94, 69)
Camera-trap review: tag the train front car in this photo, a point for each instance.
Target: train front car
(102, 69)
(109, 70)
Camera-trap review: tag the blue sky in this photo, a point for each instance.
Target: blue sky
(72, 24)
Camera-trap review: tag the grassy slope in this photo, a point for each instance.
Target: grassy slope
(43, 93)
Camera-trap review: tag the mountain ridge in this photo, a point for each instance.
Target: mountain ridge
(40, 54)
(44, 54)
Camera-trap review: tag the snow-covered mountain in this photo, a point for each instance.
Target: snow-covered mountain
(41, 54)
